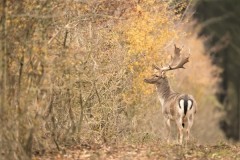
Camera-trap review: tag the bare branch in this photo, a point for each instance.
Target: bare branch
(155, 67)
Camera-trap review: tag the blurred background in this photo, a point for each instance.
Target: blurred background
(220, 23)
(71, 72)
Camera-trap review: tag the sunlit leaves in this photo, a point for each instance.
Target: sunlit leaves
(147, 31)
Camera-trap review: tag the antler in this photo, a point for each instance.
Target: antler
(176, 55)
(177, 61)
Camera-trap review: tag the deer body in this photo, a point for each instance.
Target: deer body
(175, 106)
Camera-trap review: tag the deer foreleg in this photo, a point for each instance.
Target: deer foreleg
(168, 127)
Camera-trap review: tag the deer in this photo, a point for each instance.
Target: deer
(177, 107)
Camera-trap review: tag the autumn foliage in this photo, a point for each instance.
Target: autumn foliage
(72, 72)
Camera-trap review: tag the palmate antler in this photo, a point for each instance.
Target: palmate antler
(177, 61)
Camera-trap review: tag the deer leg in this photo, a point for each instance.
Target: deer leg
(180, 129)
(168, 127)
(190, 123)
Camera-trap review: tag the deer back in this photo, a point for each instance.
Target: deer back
(172, 109)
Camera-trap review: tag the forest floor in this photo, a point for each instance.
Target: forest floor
(142, 152)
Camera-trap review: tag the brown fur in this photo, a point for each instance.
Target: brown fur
(170, 106)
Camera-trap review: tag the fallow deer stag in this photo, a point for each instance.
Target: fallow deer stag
(177, 107)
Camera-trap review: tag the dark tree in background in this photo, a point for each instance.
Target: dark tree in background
(221, 21)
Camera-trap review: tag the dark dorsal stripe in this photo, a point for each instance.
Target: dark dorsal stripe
(185, 99)
(192, 104)
(185, 104)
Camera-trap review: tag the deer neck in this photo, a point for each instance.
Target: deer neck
(164, 90)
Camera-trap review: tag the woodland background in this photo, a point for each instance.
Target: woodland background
(71, 71)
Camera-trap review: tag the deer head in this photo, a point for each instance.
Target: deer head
(177, 61)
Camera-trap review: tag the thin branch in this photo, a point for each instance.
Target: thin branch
(216, 19)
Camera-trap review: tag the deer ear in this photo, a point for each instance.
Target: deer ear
(163, 74)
